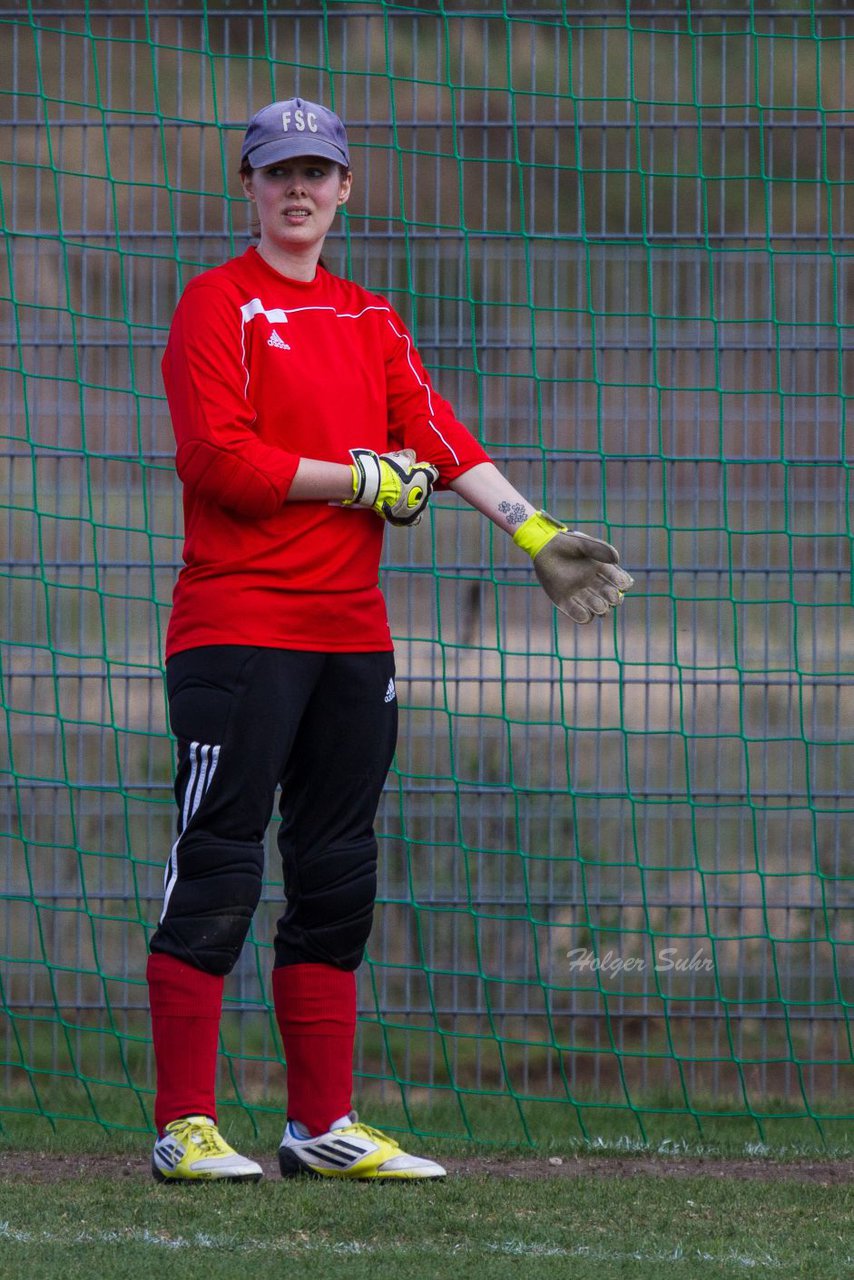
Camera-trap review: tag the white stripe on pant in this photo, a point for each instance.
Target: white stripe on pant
(203, 762)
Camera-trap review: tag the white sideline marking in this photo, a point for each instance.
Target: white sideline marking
(684, 1147)
(513, 1248)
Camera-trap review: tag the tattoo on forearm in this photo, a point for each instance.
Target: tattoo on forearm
(514, 511)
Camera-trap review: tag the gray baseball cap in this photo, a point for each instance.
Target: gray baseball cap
(294, 128)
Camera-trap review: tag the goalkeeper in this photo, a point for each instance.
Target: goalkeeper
(304, 422)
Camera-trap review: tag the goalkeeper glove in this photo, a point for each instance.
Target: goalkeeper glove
(578, 573)
(394, 485)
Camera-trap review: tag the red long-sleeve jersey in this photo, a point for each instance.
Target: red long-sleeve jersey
(260, 371)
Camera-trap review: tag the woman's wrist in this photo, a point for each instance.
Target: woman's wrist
(491, 493)
(318, 481)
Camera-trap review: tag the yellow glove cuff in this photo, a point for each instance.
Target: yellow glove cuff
(537, 530)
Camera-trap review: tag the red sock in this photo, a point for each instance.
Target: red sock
(316, 1011)
(186, 1005)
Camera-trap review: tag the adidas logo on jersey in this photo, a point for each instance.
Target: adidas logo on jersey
(390, 694)
(275, 341)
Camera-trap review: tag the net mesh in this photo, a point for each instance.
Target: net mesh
(616, 869)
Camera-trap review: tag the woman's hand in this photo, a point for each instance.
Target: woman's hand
(394, 485)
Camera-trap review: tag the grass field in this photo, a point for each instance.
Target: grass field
(472, 1225)
(82, 1204)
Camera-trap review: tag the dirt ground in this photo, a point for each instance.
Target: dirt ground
(37, 1167)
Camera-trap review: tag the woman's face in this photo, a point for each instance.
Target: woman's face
(297, 200)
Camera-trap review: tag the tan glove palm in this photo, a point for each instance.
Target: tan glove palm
(579, 574)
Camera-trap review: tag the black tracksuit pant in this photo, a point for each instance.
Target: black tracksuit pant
(323, 726)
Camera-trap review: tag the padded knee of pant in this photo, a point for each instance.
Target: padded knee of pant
(211, 904)
(329, 919)
(211, 943)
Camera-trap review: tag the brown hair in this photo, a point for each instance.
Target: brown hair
(247, 169)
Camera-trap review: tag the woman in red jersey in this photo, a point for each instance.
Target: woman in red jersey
(304, 421)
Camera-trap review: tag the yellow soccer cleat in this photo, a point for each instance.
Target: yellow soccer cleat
(193, 1150)
(350, 1150)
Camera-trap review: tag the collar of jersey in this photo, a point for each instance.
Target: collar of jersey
(264, 266)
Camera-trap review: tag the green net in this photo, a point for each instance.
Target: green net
(616, 868)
